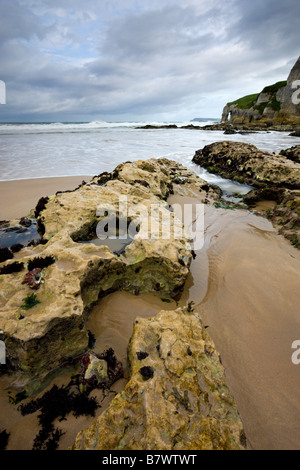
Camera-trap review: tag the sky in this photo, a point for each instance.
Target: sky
(140, 60)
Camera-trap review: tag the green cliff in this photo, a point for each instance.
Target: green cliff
(278, 103)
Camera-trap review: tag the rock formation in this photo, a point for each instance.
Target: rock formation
(278, 103)
(245, 163)
(292, 153)
(176, 398)
(46, 327)
(277, 178)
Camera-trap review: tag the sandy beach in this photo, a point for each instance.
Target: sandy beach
(248, 306)
(19, 197)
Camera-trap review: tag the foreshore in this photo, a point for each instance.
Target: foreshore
(248, 307)
(19, 197)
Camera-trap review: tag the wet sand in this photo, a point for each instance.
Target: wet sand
(252, 309)
(19, 197)
(245, 285)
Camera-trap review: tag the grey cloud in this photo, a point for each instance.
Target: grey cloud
(151, 58)
(17, 22)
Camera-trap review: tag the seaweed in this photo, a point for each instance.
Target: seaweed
(12, 268)
(57, 403)
(109, 357)
(41, 263)
(16, 247)
(5, 254)
(20, 396)
(41, 205)
(104, 178)
(4, 436)
(190, 306)
(84, 405)
(47, 440)
(29, 301)
(71, 190)
(40, 241)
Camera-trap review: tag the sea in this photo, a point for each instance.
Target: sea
(40, 150)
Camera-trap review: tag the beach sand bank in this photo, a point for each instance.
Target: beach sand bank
(245, 285)
(18, 197)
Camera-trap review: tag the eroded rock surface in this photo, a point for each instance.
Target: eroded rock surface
(176, 398)
(247, 164)
(45, 328)
(292, 153)
(275, 178)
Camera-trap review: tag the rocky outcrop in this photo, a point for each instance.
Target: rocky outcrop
(278, 103)
(285, 215)
(276, 176)
(292, 153)
(46, 327)
(176, 398)
(245, 163)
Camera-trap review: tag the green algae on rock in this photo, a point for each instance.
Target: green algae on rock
(183, 404)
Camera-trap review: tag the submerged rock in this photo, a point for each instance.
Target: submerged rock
(179, 402)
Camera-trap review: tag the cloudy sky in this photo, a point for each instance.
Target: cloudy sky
(120, 60)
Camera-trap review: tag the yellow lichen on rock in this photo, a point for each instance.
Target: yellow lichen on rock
(176, 398)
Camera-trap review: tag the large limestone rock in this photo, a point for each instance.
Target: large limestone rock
(176, 398)
(247, 164)
(53, 331)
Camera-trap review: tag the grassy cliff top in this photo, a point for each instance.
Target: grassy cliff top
(274, 88)
(246, 102)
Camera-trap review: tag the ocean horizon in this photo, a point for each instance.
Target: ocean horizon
(61, 149)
